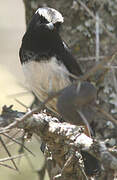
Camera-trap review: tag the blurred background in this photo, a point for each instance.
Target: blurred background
(12, 28)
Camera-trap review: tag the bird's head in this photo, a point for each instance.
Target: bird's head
(49, 17)
(42, 33)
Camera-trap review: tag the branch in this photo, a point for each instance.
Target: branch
(64, 143)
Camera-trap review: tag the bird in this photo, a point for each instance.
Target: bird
(48, 63)
(46, 59)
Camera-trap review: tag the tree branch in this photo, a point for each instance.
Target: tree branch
(63, 143)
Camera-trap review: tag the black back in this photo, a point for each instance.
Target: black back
(40, 44)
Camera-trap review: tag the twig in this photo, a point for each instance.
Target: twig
(114, 79)
(90, 58)
(18, 94)
(110, 67)
(7, 166)
(18, 143)
(9, 154)
(101, 78)
(97, 38)
(8, 142)
(11, 158)
(22, 104)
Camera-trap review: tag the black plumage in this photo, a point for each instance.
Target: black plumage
(41, 43)
(42, 46)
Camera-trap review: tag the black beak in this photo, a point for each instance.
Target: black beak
(50, 26)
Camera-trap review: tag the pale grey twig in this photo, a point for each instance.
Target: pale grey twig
(12, 157)
(110, 67)
(114, 79)
(21, 103)
(97, 38)
(18, 94)
(90, 58)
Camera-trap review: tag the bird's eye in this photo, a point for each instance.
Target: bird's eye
(43, 20)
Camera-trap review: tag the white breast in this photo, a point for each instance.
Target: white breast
(45, 77)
